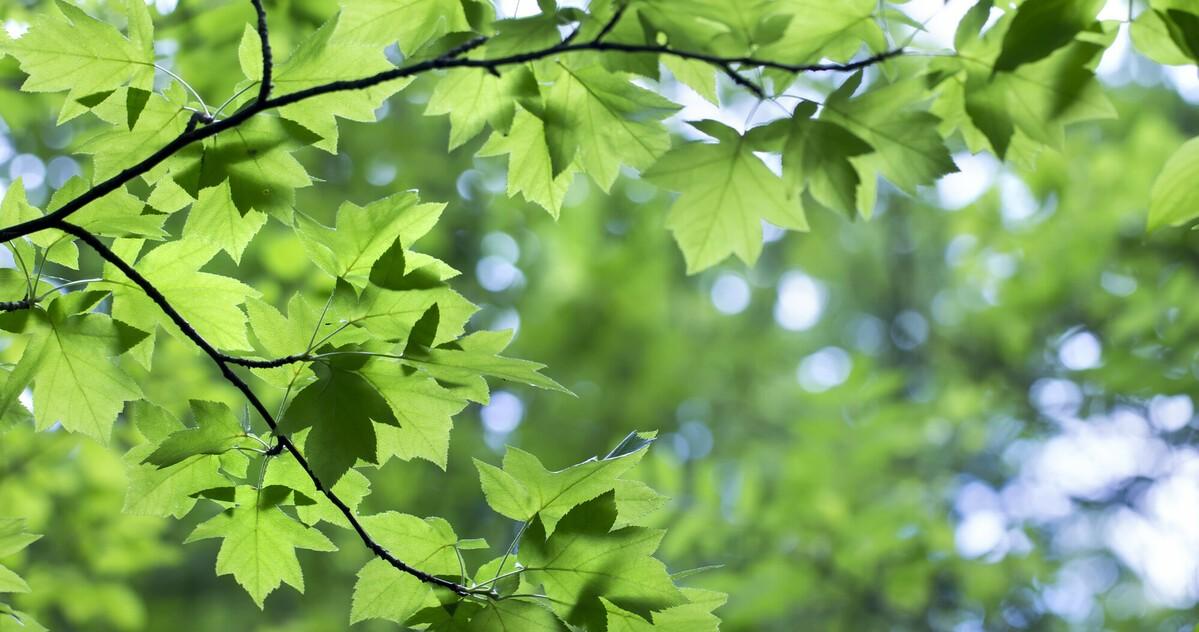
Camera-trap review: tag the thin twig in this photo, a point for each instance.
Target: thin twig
(264, 88)
(611, 24)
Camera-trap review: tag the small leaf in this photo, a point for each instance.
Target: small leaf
(1174, 199)
(217, 431)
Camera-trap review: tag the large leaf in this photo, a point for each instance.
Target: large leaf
(726, 192)
(259, 543)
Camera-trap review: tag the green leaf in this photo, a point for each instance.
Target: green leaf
(361, 235)
(13, 536)
(259, 544)
(1043, 26)
(351, 489)
(215, 217)
(10, 582)
(75, 52)
(423, 408)
(908, 149)
(16, 621)
(509, 615)
(471, 98)
(76, 379)
(1184, 30)
(210, 302)
(342, 408)
(384, 592)
(257, 161)
(390, 315)
(531, 170)
(13, 539)
(816, 157)
(524, 488)
(411, 23)
(118, 214)
(726, 192)
(320, 59)
(168, 491)
(217, 431)
(612, 121)
(467, 359)
(689, 617)
(1174, 199)
(821, 29)
(1153, 36)
(162, 118)
(585, 560)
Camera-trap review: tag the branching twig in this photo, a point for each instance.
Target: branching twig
(195, 133)
(284, 443)
(202, 125)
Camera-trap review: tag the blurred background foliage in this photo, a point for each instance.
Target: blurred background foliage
(974, 411)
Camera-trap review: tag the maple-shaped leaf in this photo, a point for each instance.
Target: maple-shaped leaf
(514, 613)
(257, 161)
(531, 168)
(423, 409)
(817, 29)
(611, 121)
(342, 408)
(72, 51)
(117, 214)
(466, 361)
(1043, 26)
(168, 491)
(217, 431)
(15, 209)
(390, 315)
(362, 234)
(524, 488)
(352, 488)
(411, 23)
(816, 158)
(472, 98)
(210, 302)
(71, 360)
(160, 120)
(725, 193)
(384, 592)
(320, 59)
(276, 335)
(908, 151)
(585, 559)
(215, 217)
(259, 543)
(689, 617)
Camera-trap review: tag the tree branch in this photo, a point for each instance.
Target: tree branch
(264, 88)
(201, 126)
(284, 443)
(12, 306)
(452, 59)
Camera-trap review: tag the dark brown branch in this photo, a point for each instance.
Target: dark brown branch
(267, 364)
(264, 88)
(449, 60)
(230, 376)
(12, 306)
